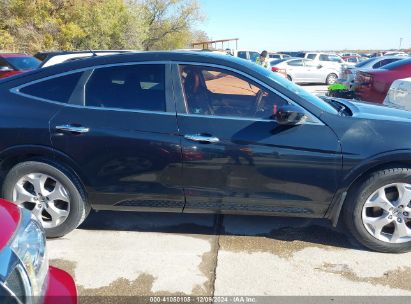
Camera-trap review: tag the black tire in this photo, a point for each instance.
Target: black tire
(331, 79)
(79, 207)
(352, 209)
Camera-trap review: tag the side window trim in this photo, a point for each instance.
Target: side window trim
(79, 90)
(180, 98)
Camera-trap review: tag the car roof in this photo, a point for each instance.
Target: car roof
(158, 56)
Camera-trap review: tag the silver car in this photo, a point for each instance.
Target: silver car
(348, 72)
(300, 70)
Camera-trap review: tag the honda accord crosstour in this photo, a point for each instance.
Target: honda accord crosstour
(200, 132)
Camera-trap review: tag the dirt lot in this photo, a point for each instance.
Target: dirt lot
(115, 253)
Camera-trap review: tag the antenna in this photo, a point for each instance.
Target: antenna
(91, 51)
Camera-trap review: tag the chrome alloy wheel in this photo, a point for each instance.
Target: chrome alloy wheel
(45, 196)
(387, 213)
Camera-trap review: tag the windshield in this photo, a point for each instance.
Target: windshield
(24, 63)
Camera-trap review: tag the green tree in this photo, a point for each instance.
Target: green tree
(38, 25)
(169, 23)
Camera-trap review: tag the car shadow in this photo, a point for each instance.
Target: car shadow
(310, 231)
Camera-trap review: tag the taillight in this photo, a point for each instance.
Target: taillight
(278, 70)
(364, 79)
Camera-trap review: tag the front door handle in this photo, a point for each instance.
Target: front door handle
(205, 139)
(73, 129)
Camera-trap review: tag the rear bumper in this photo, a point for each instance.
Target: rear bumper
(61, 288)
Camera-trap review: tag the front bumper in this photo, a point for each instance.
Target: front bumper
(61, 288)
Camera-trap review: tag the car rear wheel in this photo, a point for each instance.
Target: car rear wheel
(331, 78)
(50, 192)
(378, 212)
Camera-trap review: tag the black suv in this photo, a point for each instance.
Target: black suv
(200, 132)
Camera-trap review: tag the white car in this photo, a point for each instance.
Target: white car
(278, 56)
(348, 72)
(246, 54)
(399, 94)
(399, 54)
(329, 60)
(300, 70)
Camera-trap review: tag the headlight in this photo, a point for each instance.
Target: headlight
(30, 247)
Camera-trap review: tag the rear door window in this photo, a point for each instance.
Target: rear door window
(57, 89)
(134, 87)
(311, 56)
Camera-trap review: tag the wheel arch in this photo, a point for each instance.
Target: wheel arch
(18, 154)
(395, 159)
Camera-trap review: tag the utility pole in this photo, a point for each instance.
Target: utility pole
(400, 43)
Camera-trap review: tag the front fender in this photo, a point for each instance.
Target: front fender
(395, 158)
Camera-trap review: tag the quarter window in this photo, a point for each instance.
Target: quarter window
(218, 92)
(58, 89)
(137, 87)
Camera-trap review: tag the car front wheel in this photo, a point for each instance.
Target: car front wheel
(378, 212)
(331, 79)
(51, 193)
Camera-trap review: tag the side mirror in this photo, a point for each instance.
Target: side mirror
(290, 115)
(5, 69)
(319, 66)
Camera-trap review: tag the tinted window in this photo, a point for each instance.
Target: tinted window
(212, 91)
(4, 64)
(24, 63)
(274, 56)
(57, 89)
(254, 56)
(311, 56)
(398, 64)
(383, 62)
(242, 55)
(138, 87)
(298, 62)
(363, 63)
(324, 57)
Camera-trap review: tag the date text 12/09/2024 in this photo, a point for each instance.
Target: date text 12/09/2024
(203, 299)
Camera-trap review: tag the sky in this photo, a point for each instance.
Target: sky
(294, 25)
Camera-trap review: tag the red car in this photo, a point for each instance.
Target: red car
(373, 85)
(24, 270)
(12, 64)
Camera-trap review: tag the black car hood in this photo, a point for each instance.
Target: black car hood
(374, 111)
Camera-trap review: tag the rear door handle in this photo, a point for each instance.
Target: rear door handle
(72, 129)
(205, 139)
